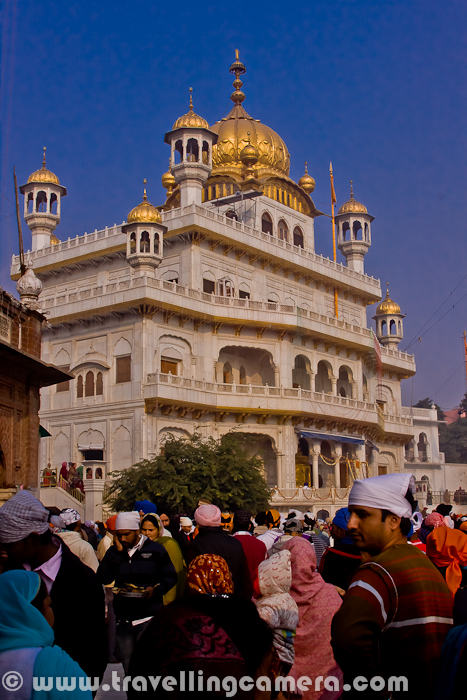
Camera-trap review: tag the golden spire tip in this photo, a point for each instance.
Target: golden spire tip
(306, 167)
(351, 189)
(43, 157)
(191, 99)
(144, 193)
(236, 54)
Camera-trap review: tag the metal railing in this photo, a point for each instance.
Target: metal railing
(49, 479)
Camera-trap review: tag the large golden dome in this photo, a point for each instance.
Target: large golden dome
(388, 306)
(352, 206)
(191, 119)
(44, 175)
(144, 213)
(238, 130)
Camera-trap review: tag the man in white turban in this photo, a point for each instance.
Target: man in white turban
(143, 572)
(397, 610)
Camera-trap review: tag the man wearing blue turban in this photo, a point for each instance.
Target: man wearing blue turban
(340, 562)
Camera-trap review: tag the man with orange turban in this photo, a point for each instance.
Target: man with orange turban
(447, 549)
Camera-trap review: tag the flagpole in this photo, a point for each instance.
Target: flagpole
(333, 201)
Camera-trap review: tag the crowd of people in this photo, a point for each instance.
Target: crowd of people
(377, 593)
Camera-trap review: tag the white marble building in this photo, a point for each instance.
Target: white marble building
(213, 311)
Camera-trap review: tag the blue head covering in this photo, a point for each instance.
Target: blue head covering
(21, 624)
(341, 518)
(145, 506)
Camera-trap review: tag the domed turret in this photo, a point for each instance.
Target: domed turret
(42, 205)
(168, 180)
(388, 318)
(29, 288)
(191, 141)
(354, 232)
(145, 233)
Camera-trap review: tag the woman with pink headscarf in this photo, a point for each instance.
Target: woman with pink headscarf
(317, 603)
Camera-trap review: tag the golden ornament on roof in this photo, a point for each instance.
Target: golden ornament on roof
(144, 212)
(388, 306)
(191, 119)
(233, 130)
(168, 180)
(249, 154)
(44, 175)
(352, 206)
(307, 182)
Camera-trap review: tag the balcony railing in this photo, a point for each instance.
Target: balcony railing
(49, 480)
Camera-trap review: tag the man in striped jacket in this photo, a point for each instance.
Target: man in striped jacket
(397, 610)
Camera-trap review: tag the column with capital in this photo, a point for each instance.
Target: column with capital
(315, 461)
(337, 466)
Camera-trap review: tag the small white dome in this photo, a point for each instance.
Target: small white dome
(29, 285)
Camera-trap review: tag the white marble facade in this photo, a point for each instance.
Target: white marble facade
(233, 327)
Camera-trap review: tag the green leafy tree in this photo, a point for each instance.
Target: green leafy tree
(463, 405)
(453, 441)
(428, 403)
(221, 471)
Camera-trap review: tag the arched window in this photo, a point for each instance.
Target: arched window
(298, 237)
(300, 375)
(30, 203)
(344, 387)
(89, 384)
(366, 233)
(79, 387)
(242, 375)
(53, 203)
(422, 445)
(144, 243)
(156, 243)
(178, 153)
(323, 381)
(266, 224)
(133, 243)
(283, 231)
(99, 473)
(41, 202)
(225, 287)
(356, 230)
(99, 384)
(227, 373)
(345, 230)
(392, 327)
(383, 328)
(205, 153)
(192, 151)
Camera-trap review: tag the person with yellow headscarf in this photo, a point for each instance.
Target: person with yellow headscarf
(151, 526)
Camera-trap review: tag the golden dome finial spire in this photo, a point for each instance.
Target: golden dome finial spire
(145, 196)
(351, 189)
(43, 158)
(307, 182)
(237, 68)
(191, 99)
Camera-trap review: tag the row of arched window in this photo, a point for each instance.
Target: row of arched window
(283, 232)
(41, 203)
(144, 243)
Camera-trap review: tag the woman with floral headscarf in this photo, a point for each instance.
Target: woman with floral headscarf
(151, 526)
(203, 633)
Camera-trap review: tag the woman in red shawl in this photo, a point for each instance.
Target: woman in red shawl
(447, 549)
(208, 630)
(317, 603)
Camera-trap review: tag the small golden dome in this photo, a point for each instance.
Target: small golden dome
(233, 130)
(44, 175)
(307, 182)
(168, 180)
(388, 306)
(352, 206)
(145, 212)
(191, 119)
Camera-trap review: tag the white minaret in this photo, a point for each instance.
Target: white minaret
(42, 205)
(191, 141)
(388, 318)
(354, 232)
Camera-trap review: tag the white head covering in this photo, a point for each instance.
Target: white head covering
(70, 516)
(20, 516)
(417, 520)
(186, 522)
(128, 521)
(386, 492)
(298, 514)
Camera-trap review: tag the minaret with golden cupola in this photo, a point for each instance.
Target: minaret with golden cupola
(191, 141)
(42, 205)
(388, 319)
(354, 232)
(145, 235)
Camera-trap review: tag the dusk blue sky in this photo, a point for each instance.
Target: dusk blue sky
(378, 87)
